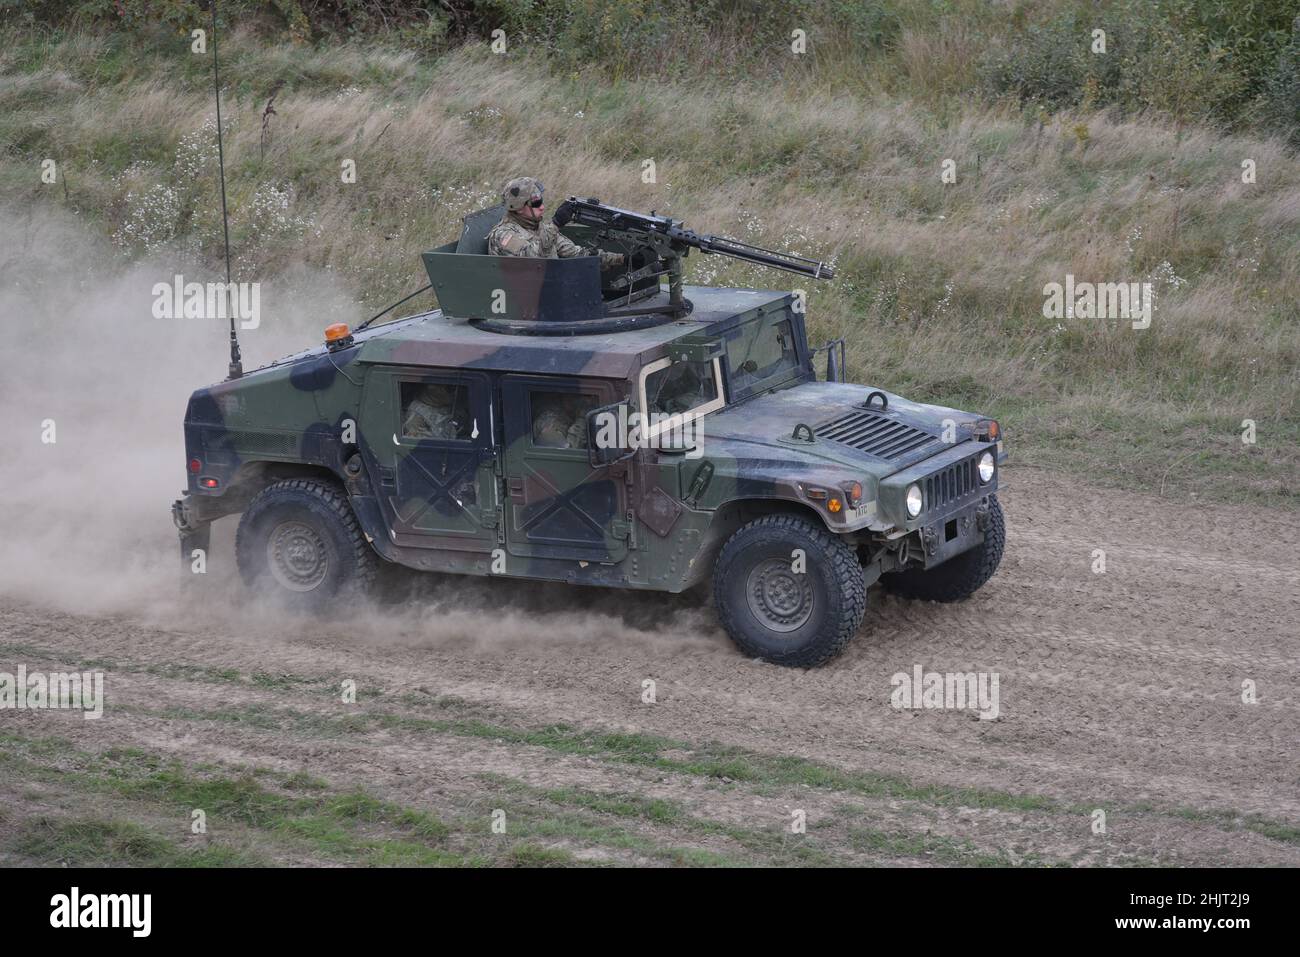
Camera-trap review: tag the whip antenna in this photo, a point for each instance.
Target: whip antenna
(236, 365)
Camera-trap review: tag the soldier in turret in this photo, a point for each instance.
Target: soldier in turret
(521, 231)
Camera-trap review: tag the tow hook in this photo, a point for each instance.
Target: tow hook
(982, 516)
(929, 540)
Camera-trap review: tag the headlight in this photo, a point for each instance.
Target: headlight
(913, 500)
(986, 468)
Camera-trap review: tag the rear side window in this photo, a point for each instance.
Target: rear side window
(559, 419)
(435, 410)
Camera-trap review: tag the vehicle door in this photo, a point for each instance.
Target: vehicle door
(432, 455)
(558, 504)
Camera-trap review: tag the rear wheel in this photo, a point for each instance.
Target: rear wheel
(788, 591)
(300, 542)
(960, 576)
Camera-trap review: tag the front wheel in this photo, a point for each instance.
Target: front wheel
(300, 542)
(960, 576)
(788, 591)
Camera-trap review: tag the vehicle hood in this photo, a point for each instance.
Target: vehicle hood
(871, 441)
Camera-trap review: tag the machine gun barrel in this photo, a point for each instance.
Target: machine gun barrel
(629, 225)
(765, 257)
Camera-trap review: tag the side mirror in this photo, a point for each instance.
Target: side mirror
(608, 434)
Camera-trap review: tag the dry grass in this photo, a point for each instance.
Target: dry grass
(940, 286)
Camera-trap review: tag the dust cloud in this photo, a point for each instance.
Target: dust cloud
(85, 524)
(94, 388)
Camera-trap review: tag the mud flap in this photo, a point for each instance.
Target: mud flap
(195, 537)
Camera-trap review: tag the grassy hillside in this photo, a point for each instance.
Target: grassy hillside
(939, 286)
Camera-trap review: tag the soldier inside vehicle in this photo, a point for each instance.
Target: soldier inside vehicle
(435, 411)
(680, 387)
(560, 419)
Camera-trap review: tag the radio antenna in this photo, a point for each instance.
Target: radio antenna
(236, 365)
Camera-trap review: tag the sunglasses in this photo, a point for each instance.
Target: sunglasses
(536, 203)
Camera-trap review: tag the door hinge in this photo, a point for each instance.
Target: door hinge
(625, 528)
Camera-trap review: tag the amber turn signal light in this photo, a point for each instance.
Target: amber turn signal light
(854, 494)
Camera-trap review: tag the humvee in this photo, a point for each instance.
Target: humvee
(736, 467)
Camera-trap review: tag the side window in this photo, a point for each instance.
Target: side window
(560, 418)
(680, 387)
(434, 410)
(760, 351)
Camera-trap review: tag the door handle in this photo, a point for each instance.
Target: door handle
(516, 488)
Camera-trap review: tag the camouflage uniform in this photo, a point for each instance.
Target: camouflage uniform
(560, 426)
(515, 236)
(430, 416)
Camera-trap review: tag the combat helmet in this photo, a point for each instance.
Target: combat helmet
(518, 192)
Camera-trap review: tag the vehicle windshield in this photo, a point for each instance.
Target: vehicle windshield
(759, 352)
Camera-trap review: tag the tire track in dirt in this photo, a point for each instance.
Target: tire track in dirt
(195, 722)
(1116, 688)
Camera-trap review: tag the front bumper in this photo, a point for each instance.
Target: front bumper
(953, 533)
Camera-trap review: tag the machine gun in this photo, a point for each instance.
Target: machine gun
(655, 246)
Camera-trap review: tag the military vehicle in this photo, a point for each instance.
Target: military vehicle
(556, 423)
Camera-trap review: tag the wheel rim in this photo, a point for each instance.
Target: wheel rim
(778, 597)
(297, 556)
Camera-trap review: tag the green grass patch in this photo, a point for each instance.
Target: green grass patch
(101, 842)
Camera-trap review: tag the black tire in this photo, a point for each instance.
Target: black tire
(960, 576)
(299, 542)
(754, 583)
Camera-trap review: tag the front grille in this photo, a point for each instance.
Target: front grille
(875, 434)
(951, 484)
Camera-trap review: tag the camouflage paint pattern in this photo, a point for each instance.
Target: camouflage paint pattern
(783, 441)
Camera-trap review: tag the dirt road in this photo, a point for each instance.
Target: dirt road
(1122, 734)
